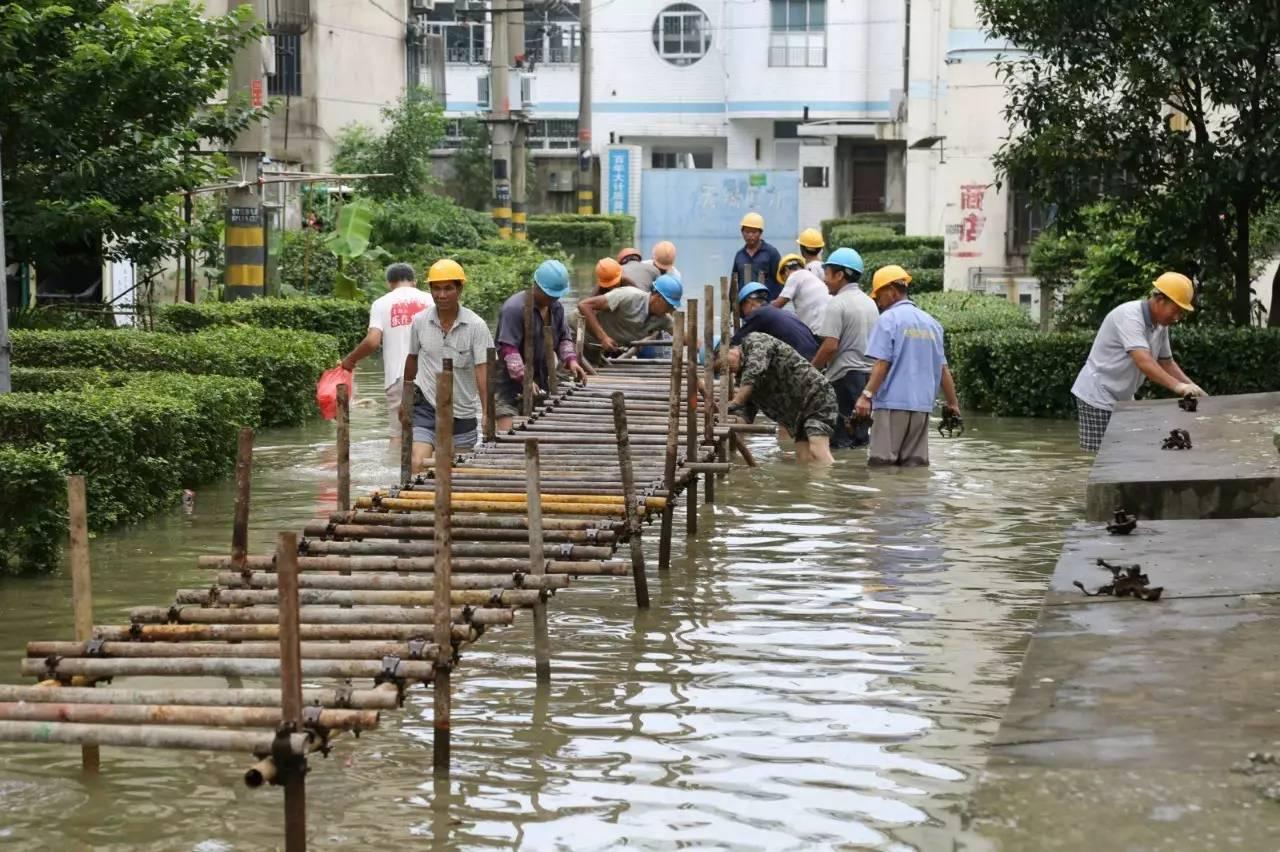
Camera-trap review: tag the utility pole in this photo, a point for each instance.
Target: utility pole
(501, 131)
(5, 348)
(519, 128)
(246, 250)
(586, 186)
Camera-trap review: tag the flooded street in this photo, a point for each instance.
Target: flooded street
(821, 667)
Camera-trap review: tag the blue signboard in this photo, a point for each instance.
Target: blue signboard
(619, 181)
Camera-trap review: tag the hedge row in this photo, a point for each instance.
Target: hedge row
(964, 313)
(346, 321)
(1030, 374)
(573, 230)
(285, 363)
(875, 239)
(893, 222)
(33, 517)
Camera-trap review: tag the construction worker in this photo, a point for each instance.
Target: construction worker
(910, 364)
(845, 332)
(775, 379)
(760, 316)
(757, 260)
(551, 282)
(447, 330)
(1133, 343)
(642, 273)
(390, 317)
(811, 245)
(805, 292)
(624, 315)
(608, 275)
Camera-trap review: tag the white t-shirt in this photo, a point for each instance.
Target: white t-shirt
(815, 266)
(392, 314)
(1110, 375)
(809, 295)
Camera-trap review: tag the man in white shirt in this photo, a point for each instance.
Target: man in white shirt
(1132, 344)
(390, 317)
(805, 292)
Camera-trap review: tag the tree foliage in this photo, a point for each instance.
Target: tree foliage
(413, 126)
(472, 181)
(101, 101)
(1170, 106)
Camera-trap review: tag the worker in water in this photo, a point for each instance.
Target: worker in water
(910, 364)
(624, 315)
(757, 260)
(447, 330)
(774, 378)
(608, 275)
(642, 273)
(551, 281)
(811, 245)
(1133, 343)
(390, 317)
(758, 315)
(805, 292)
(845, 332)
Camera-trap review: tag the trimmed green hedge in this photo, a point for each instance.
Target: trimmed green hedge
(913, 260)
(963, 313)
(572, 229)
(1029, 374)
(924, 281)
(33, 507)
(872, 239)
(894, 222)
(286, 363)
(345, 320)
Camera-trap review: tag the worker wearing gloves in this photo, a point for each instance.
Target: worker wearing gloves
(758, 315)
(806, 292)
(811, 245)
(551, 281)
(624, 315)
(845, 331)
(756, 260)
(1132, 344)
(909, 366)
(775, 379)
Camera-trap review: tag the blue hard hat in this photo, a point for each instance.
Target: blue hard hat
(748, 289)
(846, 257)
(669, 287)
(552, 278)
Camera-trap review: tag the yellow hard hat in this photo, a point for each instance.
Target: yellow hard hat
(887, 275)
(445, 269)
(811, 238)
(782, 265)
(1178, 288)
(752, 220)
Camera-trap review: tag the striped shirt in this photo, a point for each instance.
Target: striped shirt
(467, 343)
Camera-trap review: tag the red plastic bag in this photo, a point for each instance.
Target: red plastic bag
(327, 390)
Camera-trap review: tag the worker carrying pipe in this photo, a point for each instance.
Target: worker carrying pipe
(624, 315)
(1132, 344)
(551, 282)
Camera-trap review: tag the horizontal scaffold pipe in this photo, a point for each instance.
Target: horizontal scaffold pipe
(250, 650)
(395, 582)
(427, 548)
(266, 632)
(401, 503)
(142, 736)
(312, 615)
(384, 697)
(418, 563)
(427, 493)
(170, 714)
(95, 667)
(479, 521)
(426, 531)
(340, 597)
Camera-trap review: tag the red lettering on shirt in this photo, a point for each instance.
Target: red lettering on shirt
(402, 313)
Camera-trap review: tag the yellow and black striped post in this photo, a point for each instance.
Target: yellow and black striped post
(246, 250)
(586, 202)
(519, 221)
(502, 218)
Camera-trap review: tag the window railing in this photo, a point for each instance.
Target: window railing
(798, 49)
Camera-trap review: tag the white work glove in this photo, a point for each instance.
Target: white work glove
(1188, 389)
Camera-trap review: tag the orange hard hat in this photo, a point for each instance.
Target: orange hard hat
(608, 273)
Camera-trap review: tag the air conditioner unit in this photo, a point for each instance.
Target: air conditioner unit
(519, 97)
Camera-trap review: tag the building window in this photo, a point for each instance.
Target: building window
(288, 77)
(464, 43)
(555, 134)
(454, 134)
(682, 34)
(680, 159)
(1027, 218)
(798, 33)
(552, 44)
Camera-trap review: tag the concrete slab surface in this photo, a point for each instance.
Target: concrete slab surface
(1232, 470)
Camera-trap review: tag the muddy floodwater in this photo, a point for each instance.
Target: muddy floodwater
(822, 667)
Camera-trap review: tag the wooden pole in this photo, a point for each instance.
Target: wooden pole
(537, 562)
(244, 481)
(406, 426)
(691, 418)
(709, 379)
(549, 344)
(344, 449)
(441, 614)
(673, 421)
(726, 334)
(526, 406)
(295, 783)
(491, 396)
(629, 494)
(81, 586)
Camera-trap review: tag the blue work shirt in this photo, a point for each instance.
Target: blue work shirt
(911, 341)
(784, 325)
(764, 267)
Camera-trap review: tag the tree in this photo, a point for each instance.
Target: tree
(1171, 107)
(414, 125)
(105, 105)
(472, 181)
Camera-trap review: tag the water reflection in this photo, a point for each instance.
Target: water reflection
(822, 667)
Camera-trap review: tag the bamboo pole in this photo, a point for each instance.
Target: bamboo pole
(397, 582)
(354, 597)
(244, 481)
(633, 512)
(418, 493)
(407, 505)
(537, 564)
(491, 397)
(162, 714)
(295, 771)
(673, 419)
(360, 650)
(98, 667)
(549, 344)
(441, 687)
(344, 449)
(378, 698)
(409, 563)
(214, 632)
(709, 379)
(427, 548)
(726, 320)
(81, 587)
(143, 736)
(461, 520)
(691, 420)
(527, 349)
(486, 616)
(476, 534)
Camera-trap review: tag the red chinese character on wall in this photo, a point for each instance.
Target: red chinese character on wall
(972, 195)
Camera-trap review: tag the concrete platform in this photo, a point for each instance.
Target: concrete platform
(1130, 718)
(1232, 470)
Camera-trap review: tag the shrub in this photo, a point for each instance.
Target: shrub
(913, 259)
(308, 267)
(867, 239)
(33, 517)
(962, 313)
(422, 220)
(926, 281)
(286, 363)
(895, 222)
(344, 320)
(553, 230)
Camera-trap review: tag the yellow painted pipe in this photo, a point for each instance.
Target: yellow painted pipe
(490, 506)
(522, 499)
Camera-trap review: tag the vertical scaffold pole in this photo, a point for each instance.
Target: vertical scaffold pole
(295, 769)
(344, 449)
(673, 438)
(443, 566)
(244, 482)
(691, 419)
(81, 586)
(537, 561)
(629, 495)
(709, 379)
